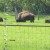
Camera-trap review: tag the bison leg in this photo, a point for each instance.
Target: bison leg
(20, 20)
(32, 19)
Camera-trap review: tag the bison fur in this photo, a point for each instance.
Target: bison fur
(47, 21)
(1, 19)
(24, 16)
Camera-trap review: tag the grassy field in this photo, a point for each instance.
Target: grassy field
(24, 38)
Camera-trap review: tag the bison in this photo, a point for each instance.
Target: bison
(25, 15)
(47, 21)
(1, 19)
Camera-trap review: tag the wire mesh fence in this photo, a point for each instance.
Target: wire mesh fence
(22, 37)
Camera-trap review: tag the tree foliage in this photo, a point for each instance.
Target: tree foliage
(35, 6)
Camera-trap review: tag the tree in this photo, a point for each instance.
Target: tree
(35, 6)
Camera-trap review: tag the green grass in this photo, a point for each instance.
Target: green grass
(26, 38)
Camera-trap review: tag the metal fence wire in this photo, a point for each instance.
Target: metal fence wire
(35, 35)
(22, 37)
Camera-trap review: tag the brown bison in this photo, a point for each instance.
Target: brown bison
(25, 15)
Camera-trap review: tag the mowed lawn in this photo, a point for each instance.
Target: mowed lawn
(24, 38)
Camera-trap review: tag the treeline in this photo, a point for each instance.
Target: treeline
(35, 6)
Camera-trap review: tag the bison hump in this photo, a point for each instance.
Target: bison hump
(26, 14)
